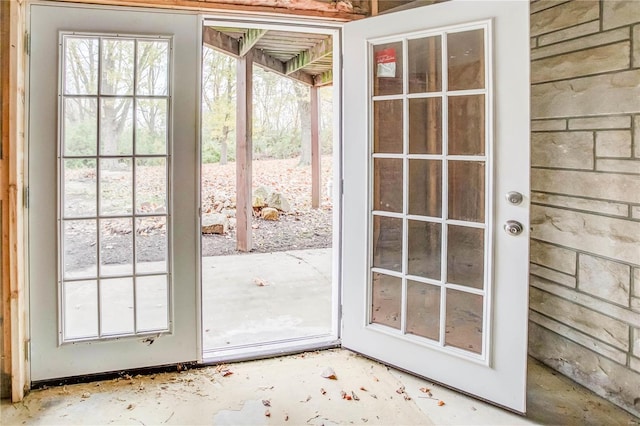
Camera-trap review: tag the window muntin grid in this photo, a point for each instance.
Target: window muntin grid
(114, 186)
(458, 148)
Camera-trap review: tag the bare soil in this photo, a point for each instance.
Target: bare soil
(300, 228)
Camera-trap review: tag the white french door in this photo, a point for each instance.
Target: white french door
(112, 110)
(436, 134)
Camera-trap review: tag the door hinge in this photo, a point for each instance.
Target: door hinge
(26, 197)
(27, 43)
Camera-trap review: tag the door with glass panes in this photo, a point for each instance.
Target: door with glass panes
(113, 102)
(436, 145)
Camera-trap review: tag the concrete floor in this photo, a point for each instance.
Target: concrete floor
(292, 390)
(258, 298)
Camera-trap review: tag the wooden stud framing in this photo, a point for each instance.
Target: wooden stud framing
(15, 316)
(244, 153)
(316, 170)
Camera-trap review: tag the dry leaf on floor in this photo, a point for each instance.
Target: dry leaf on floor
(440, 403)
(86, 395)
(266, 403)
(322, 391)
(260, 282)
(355, 397)
(267, 413)
(286, 417)
(362, 388)
(130, 407)
(227, 373)
(328, 373)
(345, 396)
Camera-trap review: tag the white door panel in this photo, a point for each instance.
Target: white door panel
(101, 298)
(436, 132)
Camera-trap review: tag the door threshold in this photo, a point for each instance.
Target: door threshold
(269, 350)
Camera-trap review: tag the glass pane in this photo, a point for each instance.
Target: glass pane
(151, 245)
(387, 132)
(153, 66)
(424, 242)
(425, 65)
(464, 321)
(80, 309)
(425, 126)
(387, 243)
(116, 186)
(423, 310)
(151, 185)
(116, 247)
(81, 66)
(425, 187)
(466, 125)
(80, 251)
(117, 67)
(466, 191)
(80, 126)
(151, 126)
(465, 51)
(116, 306)
(151, 303)
(79, 187)
(387, 70)
(116, 126)
(387, 184)
(386, 297)
(465, 256)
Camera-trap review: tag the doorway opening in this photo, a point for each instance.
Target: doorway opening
(269, 158)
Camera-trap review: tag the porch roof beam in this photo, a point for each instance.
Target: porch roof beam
(229, 45)
(250, 39)
(320, 50)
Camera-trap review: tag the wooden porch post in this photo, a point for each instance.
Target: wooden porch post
(316, 175)
(244, 151)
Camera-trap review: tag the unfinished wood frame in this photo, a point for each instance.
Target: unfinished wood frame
(15, 317)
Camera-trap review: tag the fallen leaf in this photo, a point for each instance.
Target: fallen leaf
(267, 413)
(260, 282)
(424, 390)
(322, 391)
(440, 403)
(362, 388)
(286, 417)
(227, 373)
(130, 407)
(400, 390)
(86, 395)
(355, 397)
(328, 373)
(266, 403)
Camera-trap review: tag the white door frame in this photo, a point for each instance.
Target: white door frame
(307, 25)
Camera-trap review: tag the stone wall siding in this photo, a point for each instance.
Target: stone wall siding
(585, 182)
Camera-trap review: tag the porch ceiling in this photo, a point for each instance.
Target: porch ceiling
(305, 57)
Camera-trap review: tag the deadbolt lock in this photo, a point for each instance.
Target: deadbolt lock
(513, 227)
(514, 197)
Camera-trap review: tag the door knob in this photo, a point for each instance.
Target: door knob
(514, 197)
(513, 227)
